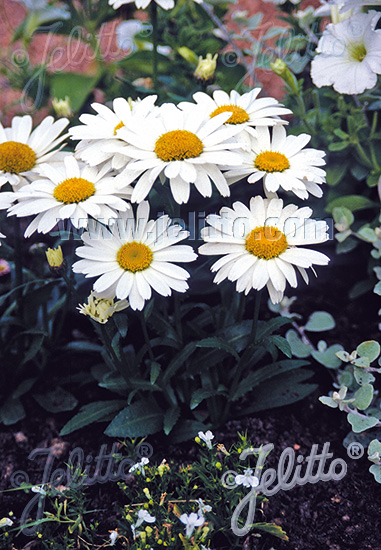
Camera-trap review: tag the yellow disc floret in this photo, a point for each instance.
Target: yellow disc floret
(357, 51)
(16, 157)
(266, 242)
(238, 115)
(178, 145)
(117, 127)
(134, 257)
(271, 161)
(74, 190)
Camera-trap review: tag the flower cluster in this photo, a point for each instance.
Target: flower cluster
(126, 151)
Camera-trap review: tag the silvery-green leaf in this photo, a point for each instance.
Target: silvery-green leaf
(377, 288)
(340, 237)
(298, 347)
(328, 401)
(374, 450)
(364, 396)
(322, 345)
(345, 378)
(367, 234)
(369, 349)
(361, 423)
(343, 355)
(328, 357)
(375, 469)
(363, 376)
(320, 321)
(361, 362)
(343, 215)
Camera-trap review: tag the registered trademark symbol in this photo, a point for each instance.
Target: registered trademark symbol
(355, 450)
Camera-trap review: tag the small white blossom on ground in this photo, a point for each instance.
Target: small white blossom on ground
(247, 479)
(191, 521)
(207, 438)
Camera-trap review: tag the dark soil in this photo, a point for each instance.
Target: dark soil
(336, 515)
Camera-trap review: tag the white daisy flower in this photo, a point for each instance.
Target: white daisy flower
(99, 133)
(349, 55)
(191, 521)
(261, 245)
(206, 438)
(70, 192)
(246, 110)
(282, 162)
(22, 150)
(142, 4)
(181, 146)
(247, 479)
(132, 258)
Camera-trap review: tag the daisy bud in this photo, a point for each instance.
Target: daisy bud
(62, 107)
(280, 68)
(206, 68)
(55, 259)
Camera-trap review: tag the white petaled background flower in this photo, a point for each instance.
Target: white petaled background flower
(69, 191)
(247, 479)
(246, 111)
(99, 133)
(142, 4)
(260, 245)
(349, 55)
(182, 146)
(191, 521)
(283, 163)
(133, 258)
(206, 438)
(23, 150)
(125, 34)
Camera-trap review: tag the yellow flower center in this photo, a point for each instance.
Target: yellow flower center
(271, 161)
(266, 242)
(16, 157)
(117, 127)
(134, 257)
(238, 115)
(357, 51)
(178, 145)
(74, 190)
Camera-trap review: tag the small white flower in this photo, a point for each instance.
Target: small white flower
(113, 536)
(6, 522)
(125, 34)
(202, 507)
(38, 489)
(191, 521)
(207, 438)
(247, 479)
(142, 4)
(349, 55)
(139, 465)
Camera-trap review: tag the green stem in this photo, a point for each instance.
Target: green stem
(363, 155)
(254, 327)
(146, 337)
(374, 125)
(155, 44)
(18, 266)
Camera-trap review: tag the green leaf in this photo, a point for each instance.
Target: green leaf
(121, 322)
(320, 321)
(141, 63)
(298, 347)
(155, 371)
(336, 172)
(170, 418)
(282, 344)
(373, 179)
(361, 423)
(369, 349)
(272, 529)
(12, 411)
(199, 396)
(343, 215)
(328, 357)
(140, 419)
(217, 343)
(328, 401)
(178, 361)
(265, 328)
(76, 86)
(374, 447)
(92, 412)
(23, 387)
(352, 202)
(364, 396)
(363, 376)
(367, 234)
(113, 381)
(375, 469)
(56, 400)
(339, 146)
(34, 348)
(187, 429)
(83, 346)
